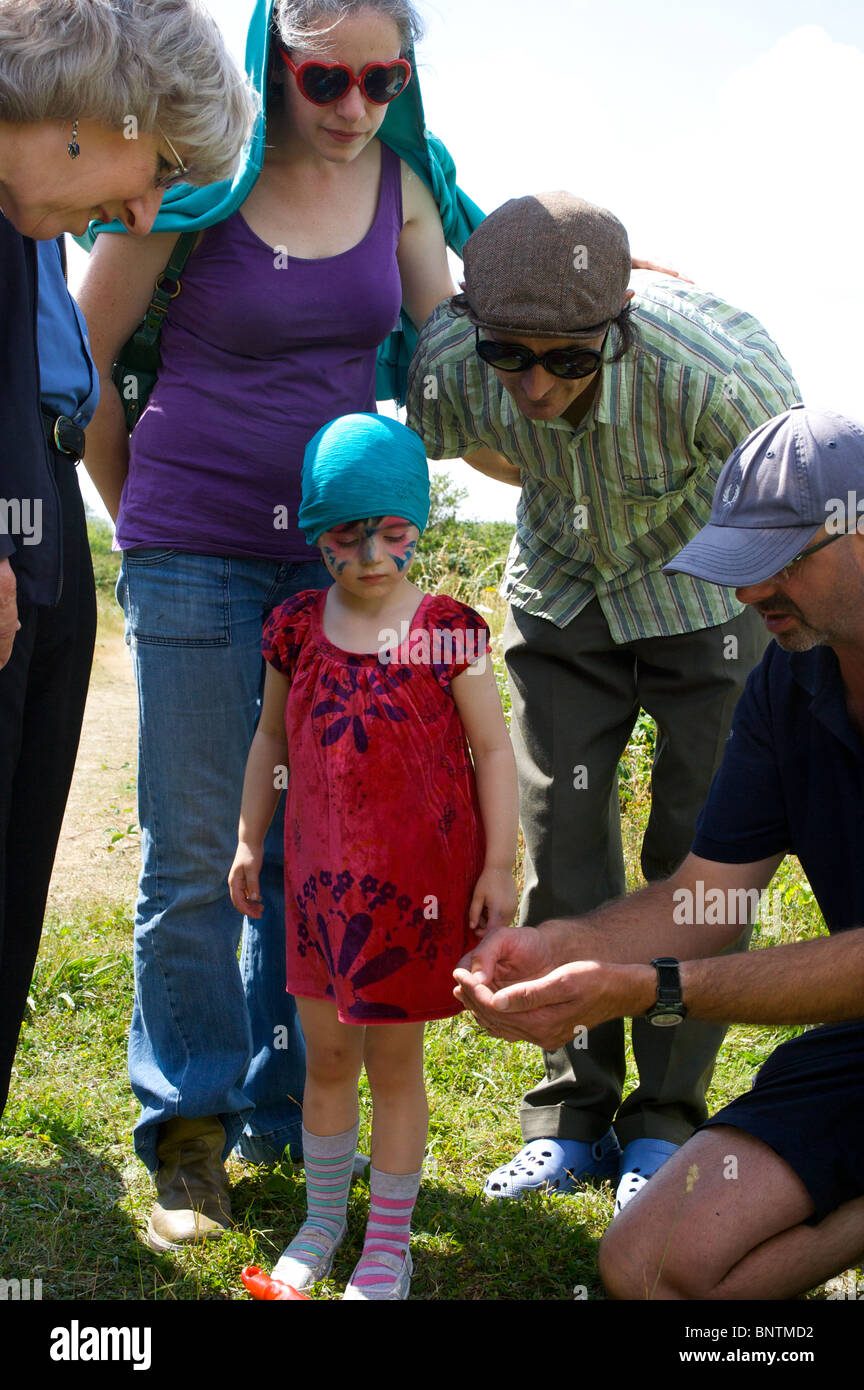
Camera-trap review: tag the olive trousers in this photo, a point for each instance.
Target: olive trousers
(576, 696)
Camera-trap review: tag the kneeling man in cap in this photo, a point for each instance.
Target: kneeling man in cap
(767, 1199)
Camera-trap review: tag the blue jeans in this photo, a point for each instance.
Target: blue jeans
(208, 1036)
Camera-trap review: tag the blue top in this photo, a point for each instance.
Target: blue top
(792, 781)
(69, 383)
(246, 27)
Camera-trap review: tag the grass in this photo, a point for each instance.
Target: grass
(74, 1200)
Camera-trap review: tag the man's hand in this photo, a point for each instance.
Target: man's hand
(501, 960)
(9, 623)
(549, 1011)
(508, 955)
(639, 264)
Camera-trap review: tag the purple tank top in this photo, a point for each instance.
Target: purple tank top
(259, 350)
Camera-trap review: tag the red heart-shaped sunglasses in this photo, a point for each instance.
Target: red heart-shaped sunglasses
(324, 83)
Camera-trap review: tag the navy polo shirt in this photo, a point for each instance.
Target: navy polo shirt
(26, 476)
(792, 781)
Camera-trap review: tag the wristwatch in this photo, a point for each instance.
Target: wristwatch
(669, 1008)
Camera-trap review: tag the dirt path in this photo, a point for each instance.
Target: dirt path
(102, 798)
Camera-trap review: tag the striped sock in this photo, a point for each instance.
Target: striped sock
(391, 1203)
(329, 1164)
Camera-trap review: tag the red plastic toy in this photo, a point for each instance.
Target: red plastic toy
(261, 1286)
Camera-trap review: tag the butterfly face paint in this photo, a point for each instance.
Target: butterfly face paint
(363, 555)
(331, 559)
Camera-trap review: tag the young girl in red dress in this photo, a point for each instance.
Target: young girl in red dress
(400, 832)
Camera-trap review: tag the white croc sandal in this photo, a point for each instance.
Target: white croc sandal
(554, 1165)
(639, 1162)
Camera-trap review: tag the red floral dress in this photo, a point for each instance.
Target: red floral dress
(383, 836)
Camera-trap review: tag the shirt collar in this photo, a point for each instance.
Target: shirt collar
(814, 669)
(509, 414)
(818, 672)
(613, 398)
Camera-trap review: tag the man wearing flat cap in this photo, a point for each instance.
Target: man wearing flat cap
(614, 413)
(766, 1201)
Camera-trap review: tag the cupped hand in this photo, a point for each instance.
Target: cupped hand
(546, 1010)
(509, 954)
(549, 1010)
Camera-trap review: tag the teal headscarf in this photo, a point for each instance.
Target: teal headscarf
(360, 466)
(246, 27)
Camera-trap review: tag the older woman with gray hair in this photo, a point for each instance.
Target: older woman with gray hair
(103, 105)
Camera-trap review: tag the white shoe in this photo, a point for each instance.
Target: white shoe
(301, 1273)
(402, 1270)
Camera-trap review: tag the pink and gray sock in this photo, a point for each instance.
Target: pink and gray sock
(382, 1265)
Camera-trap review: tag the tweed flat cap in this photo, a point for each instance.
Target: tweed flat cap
(548, 266)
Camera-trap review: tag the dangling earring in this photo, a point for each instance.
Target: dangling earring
(73, 149)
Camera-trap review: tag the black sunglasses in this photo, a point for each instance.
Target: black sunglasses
(569, 362)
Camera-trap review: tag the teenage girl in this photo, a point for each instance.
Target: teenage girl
(399, 842)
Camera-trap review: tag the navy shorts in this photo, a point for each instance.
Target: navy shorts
(807, 1104)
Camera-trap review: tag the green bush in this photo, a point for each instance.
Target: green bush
(634, 769)
(106, 562)
(456, 557)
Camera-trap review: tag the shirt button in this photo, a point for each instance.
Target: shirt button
(585, 501)
(592, 539)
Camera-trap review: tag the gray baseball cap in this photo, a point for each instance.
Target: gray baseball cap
(796, 473)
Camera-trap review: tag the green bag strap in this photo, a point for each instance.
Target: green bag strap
(168, 287)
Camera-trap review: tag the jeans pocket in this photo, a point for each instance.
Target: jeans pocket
(175, 599)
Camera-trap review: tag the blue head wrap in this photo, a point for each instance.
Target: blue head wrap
(360, 466)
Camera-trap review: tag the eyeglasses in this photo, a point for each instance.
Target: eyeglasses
(788, 571)
(567, 362)
(324, 83)
(171, 176)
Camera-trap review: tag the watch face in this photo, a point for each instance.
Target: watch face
(667, 1020)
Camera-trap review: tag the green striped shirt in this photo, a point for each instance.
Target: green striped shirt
(605, 504)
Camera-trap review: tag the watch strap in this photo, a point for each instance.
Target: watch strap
(669, 1005)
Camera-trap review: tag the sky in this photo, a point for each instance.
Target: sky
(726, 137)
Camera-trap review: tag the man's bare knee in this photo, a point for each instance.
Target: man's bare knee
(631, 1252)
(653, 1249)
(637, 1267)
(618, 1267)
